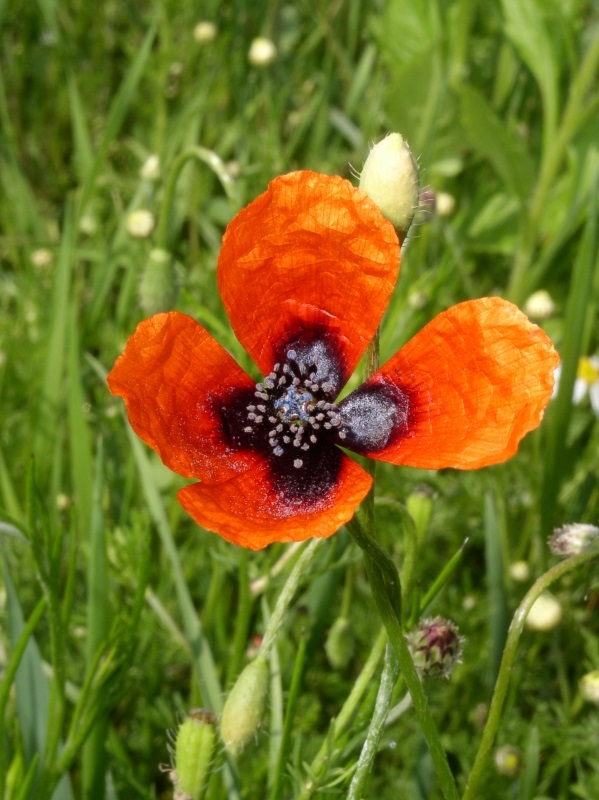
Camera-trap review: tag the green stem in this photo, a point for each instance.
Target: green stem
(377, 725)
(346, 714)
(296, 576)
(384, 583)
(509, 654)
(204, 156)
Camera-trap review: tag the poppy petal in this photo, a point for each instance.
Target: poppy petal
(462, 393)
(175, 380)
(250, 510)
(312, 253)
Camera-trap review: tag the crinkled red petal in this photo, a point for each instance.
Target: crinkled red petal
(174, 378)
(250, 511)
(476, 379)
(311, 253)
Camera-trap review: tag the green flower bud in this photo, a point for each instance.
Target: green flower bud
(244, 707)
(545, 613)
(589, 686)
(420, 507)
(194, 748)
(390, 178)
(436, 647)
(158, 287)
(340, 644)
(508, 760)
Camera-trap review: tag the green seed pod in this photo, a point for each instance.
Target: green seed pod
(390, 178)
(158, 286)
(244, 707)
(340, 644)
(193, 754)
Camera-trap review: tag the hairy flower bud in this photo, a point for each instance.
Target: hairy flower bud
(340, 644)
(436, 647)
(575, 539)
(244, 707)
(194, 748)
(390, 178)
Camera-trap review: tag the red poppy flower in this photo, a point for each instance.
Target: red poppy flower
(305, 273)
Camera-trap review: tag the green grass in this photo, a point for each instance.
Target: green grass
(118, 613)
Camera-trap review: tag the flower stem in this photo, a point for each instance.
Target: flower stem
(377, 724)
(346, 714)
(296, 576)
(204, 156)
(509, 654)
(385, 587)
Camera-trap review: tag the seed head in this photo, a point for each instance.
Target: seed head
(436, 647)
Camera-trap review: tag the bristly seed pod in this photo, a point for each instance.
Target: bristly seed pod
(436, 647)
(244, 707)
(194, 749)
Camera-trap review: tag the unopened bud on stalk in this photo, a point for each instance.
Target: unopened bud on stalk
(340, 644)
(508, 760)
(420, 507)
(436, 647)
(545, 613)
(158, 287)
(390, 178)
(140, 223)
(194, 749)
(575, 539)
(244, 707)
(589, 686)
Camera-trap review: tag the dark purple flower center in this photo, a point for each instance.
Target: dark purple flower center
(292, 406)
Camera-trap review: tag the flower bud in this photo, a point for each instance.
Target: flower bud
(140, 223)
(158, 286)
(204, 32)
(519, 571)
(575, 539)
(420, 507)
(390, 178)
(508, 760)
(244, 707)
(589, 686)
(150, 169)
(340, 644)
(194, 748)
(445, 204)
(436, 647)
(539, 305)
(262, 52)
(545, 613)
